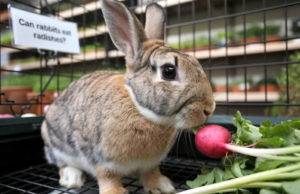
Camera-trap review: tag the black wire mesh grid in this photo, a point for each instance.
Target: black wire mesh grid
(225, 59)
(44, 178)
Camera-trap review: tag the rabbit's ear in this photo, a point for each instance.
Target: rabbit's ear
(124, 28)
(155, 21)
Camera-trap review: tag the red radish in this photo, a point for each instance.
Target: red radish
(215, 141)
(211, 141)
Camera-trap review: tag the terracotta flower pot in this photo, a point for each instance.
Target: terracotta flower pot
(270, 88)
(272, 38)
(18, 95)
(197, 48)
(38, 109)
(250, 40)
(237, 89)
(220, 89)
(4, 15)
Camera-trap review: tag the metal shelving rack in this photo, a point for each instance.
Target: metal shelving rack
(43, 178)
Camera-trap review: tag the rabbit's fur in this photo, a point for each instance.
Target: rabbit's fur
(111, 124)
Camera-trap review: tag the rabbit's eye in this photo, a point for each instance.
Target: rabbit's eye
(168, 72)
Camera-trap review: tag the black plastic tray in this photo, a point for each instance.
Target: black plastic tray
(21, 145)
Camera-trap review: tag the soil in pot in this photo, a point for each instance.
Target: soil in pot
(198, 48)
(273, 37)
(250, 40)
(270, 88)
(220, 89)
(38, 109)
(18, 95)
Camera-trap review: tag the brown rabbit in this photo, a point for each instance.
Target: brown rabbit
(110, 124)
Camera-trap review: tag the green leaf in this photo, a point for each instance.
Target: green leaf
(228, 174)
(274, 142)
(295, 124)
(247, 171)
(244, 191)
(265, 126)
(269, 165)
(238, 165)
(246, 132)
(292, 187)
(204, 179)
(297, 137)
(249, 134)
(284, 131)
(266, 123)
(218, 173)
(268, 191)
(258, 161)
(204, 170)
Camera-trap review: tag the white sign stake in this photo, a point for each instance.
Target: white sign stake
(43, 32)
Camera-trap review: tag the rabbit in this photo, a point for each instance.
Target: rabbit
(111, 125)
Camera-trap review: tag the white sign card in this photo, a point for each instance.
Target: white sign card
(43, 32)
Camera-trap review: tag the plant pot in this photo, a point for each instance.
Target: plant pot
(197, 48)
(272, 38)
(92, 51)
(38, 109)
(220, 89)
(238, 89)
(250, 40)
(18, 95)
(270, 88)
(4, 15)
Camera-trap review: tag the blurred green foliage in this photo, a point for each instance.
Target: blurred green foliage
(6, 38)
(294, 89)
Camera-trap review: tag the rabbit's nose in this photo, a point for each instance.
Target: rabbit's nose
(206, 113)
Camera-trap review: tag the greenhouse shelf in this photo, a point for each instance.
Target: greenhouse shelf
(249, 49)
(200, 54)
(251, 96)
(96, 6)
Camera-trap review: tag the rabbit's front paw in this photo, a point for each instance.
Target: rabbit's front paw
(163, 186)
(71, 177)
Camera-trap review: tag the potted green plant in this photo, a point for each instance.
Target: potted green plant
(203, 42)
(91, 48)
(239, 85)
(189, 44)
(15, 89)
(222, 38)
(25, 60)
(87, 27)
(62, 6)
(253, 34)
(271, 86)
(272, 32)
(174, 45)
(199, 43)
(6, 38)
